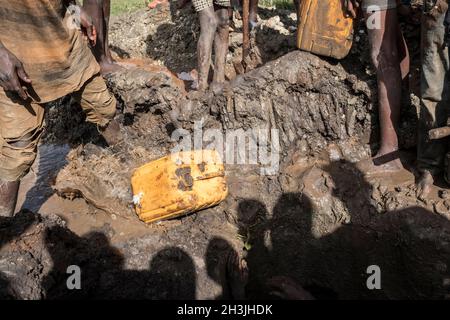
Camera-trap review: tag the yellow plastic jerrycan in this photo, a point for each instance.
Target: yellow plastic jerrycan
(323, 28)
(179, 184)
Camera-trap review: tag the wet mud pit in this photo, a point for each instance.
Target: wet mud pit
(318, 220)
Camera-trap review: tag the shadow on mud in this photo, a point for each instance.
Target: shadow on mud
(331, 266)
(66, 128)
(171, 273)
(335, 265)
(11, 229)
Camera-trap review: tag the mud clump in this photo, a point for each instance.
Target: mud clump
(279, 96)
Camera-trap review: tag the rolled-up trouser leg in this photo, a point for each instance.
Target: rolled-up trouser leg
(21, 126)
(434, 102)
(96, 101)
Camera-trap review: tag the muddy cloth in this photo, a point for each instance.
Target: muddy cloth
(21, 125)
(43, 35)
(380, 4)
(200, 5)
(434, 103)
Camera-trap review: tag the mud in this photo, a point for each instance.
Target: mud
(37, 250)
(317, 220)
(169, 37)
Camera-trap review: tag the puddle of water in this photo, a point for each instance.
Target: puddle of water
(36, 194)
(36, 186)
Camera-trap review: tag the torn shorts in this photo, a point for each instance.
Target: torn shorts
(21, 124)
(200, 5)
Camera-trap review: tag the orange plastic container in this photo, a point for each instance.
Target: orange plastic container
(179, 184)
(323, 28)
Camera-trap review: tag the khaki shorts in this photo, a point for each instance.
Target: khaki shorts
(21, 125)
(200, 5)
(378, 5)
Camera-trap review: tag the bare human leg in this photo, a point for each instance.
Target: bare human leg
(253, 16)
(8, 197)
(99, 11)
(220, 47)
(208, 27)
(391, 61)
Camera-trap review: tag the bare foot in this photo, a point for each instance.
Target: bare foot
(381, 164)
(424, 185)
(109, 67)
(111, 133)
(217, 87)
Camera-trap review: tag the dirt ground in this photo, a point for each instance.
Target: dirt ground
(318, 220)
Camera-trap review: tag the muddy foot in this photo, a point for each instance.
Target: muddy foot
(424, 185)
(109, 67)
(111, 133)
(379, 166)
(217, 87)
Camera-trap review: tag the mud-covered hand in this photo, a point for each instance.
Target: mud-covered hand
(12, 73)
(88, 28)
(351, 7)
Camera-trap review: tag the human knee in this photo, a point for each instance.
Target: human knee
(223, 19)
(212, 22)
(208, 20)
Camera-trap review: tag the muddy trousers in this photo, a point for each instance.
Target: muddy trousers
(21, 125)
(434, 102)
